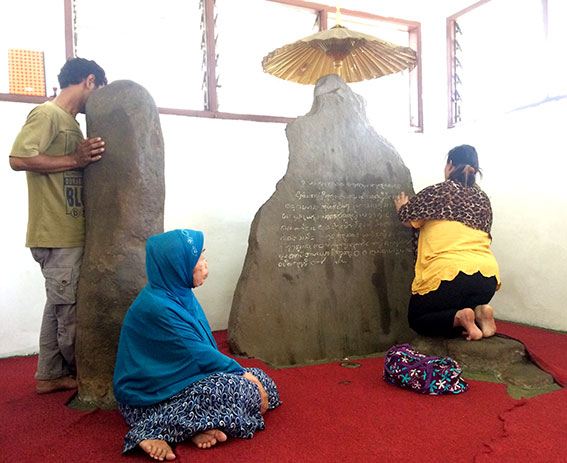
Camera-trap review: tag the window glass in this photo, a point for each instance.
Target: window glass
(500, 61)
(392, 32)
(155, 44)
(557, 39)
(247, 32)
(388, 97)
(36, 29)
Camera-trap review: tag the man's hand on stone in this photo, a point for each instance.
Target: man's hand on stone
(89, 150)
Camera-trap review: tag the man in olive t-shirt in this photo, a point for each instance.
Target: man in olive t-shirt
(51, 149)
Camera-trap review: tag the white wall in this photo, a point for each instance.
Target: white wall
(523, 157)
(21, 291)
(522, 154)
(218, 173)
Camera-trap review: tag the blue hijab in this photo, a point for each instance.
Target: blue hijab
(166, 342)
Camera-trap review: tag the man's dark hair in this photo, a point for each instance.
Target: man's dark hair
(76, 69)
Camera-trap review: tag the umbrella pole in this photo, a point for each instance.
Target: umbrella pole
(338, 63)
(338, 14)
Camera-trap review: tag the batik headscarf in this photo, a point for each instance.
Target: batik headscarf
(166, 342)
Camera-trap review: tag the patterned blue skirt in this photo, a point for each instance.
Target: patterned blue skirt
(224, 401)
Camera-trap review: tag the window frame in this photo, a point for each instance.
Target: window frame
(451, 63)
(211, 110)
(415, 123)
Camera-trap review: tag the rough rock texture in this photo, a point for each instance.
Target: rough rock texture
(124, 199)
(329, 267)
(504, 358)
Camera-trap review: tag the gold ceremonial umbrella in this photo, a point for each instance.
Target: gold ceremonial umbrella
(352, 55)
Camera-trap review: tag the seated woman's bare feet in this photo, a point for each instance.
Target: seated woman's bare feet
(45, 386)
(206, 439)
(484, 315)
(157, 449)
(465, 318)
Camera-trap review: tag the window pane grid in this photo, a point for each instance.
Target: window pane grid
(557, 39)
(159, 46)
(392, 91)
(163, 46)
(244, 36)
(498, 65)
(42, 34)
(457, 83)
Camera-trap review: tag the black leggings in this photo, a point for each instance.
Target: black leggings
(433, 313)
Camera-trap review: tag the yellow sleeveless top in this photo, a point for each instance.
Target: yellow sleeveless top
(446, 248)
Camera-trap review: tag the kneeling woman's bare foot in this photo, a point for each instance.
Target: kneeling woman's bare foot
(465, 318)
(157, 449)
(484, 315)
(206, 439)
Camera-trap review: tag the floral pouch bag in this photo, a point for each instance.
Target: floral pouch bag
(409, 369)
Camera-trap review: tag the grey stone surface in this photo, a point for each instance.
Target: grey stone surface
(329, 267)
(501, 357)
(124, 199)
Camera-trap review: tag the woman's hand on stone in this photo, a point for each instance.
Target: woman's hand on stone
(400, 200)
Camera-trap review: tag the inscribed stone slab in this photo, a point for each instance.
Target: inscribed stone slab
(328, 270)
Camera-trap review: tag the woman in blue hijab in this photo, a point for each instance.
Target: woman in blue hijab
(170, 380)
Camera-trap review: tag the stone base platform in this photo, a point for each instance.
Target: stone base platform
(499, 359)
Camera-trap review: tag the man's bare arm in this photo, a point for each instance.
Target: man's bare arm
(88, 151)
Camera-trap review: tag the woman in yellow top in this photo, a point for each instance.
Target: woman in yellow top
(456, 275)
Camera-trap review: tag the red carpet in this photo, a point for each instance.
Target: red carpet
(547, 349)
(533, 431)
(329, 414)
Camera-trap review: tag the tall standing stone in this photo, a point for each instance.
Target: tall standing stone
(124, 197)
(329, 267)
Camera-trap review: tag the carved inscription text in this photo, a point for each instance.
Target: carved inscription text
(338, 222)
